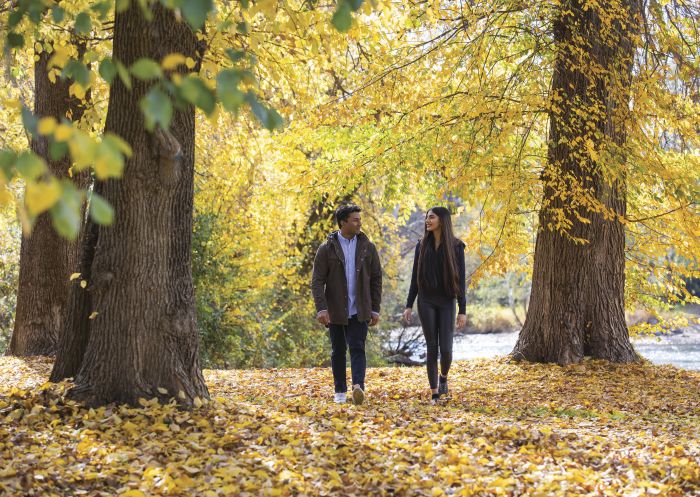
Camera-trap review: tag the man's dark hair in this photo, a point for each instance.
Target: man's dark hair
(342, 212)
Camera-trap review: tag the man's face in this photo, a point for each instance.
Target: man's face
(352, 225)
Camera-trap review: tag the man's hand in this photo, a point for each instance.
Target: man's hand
(375, 319)
(407, 315)
(461, 321)
(324, 318)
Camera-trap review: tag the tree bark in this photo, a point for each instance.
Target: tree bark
(144, 336)
(73, 339)
(577, 302)
(46, 259)
(321, 213)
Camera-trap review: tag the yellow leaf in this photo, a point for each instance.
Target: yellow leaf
(41, 196)
(83, 283)
(78, 90)
(82, 149)
(63, 132)
(60, 56)
(171, 61)
(93, 315)
(47, 125)
(132, 493)
(74, 276)
(7, 472)
(129, 426)
(84, 446)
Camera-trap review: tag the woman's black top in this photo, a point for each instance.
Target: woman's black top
(434, 290)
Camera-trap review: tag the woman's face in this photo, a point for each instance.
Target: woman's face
(432, 221)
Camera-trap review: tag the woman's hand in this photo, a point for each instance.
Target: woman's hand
(461, 321)
(407, 315)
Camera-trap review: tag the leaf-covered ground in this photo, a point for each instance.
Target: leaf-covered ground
(509, 429)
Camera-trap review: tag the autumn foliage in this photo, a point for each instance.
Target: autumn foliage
(509, 429)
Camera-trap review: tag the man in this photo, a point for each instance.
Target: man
(347, 291)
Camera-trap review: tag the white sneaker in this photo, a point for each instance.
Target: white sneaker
(340, 398)
(358, 396)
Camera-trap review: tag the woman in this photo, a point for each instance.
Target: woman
(438, 279)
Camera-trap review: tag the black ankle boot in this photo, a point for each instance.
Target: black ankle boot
(442, 386)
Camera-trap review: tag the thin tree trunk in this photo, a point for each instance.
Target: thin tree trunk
(46, 259)
(73, 339)
(320, 214)
(577, 301)
(144, 336)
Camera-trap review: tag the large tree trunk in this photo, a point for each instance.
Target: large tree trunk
(144, 336)
(577, 302)
(46, 259)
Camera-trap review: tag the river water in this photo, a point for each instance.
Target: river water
(679, 349)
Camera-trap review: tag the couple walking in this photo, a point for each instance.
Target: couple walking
(347, 291)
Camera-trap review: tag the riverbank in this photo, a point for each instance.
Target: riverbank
(680, 348)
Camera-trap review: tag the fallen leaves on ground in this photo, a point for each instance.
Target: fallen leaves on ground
(508, 429)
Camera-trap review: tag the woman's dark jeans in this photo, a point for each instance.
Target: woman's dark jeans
(438, 321)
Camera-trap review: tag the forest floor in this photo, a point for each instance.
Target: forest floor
(508, 429)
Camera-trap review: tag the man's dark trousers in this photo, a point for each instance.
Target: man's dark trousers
(352, 336)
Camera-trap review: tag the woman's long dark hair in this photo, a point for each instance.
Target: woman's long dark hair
(450, 281)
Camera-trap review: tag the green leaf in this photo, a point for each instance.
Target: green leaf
(66, 213)
(245, 4)
(108, 70)
(7, 163)
(57, 14)
(157, 109)
(83, 25)
(242, 27)
(122, 6)
(145, 6)
(15, 40)
(29, 120)
(342, 17)
(235, 55)
(102, 8)
(229, 94)
(193, 90)
(30, 165)
(146, 69)
(15, 18)
(77, 71)
(355, 4)
(195, 11)
(100, 210)
(35, 11)
(123, 75)
(57, 150)
(269, 118)
(274, 120)
(118, 143)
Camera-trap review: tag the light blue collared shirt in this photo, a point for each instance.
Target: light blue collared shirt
(349, 248)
